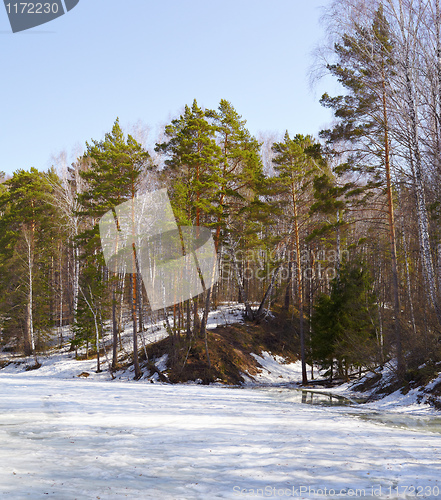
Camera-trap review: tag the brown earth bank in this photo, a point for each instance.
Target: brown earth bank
(230, 351)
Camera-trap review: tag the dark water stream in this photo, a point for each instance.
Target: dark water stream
(356, 409)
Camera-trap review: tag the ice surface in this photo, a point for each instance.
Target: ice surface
(67, 438)
(82, 439)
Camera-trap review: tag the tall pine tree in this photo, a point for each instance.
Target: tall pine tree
(365, 61)
(116, 167)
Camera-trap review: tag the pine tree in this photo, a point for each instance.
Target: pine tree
(344, 326)
(116, 167)
(192, 166)
(365, 62)
(295, 167)
(28, 232)
(241, 171)
(242, 185)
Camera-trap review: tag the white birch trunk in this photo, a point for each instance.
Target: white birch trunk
(29, 340)
(423, 220)
(61, 302)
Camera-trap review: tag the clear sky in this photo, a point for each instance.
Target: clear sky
(65, 82)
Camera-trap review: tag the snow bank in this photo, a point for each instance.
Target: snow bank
(415, 401)
(273, 370)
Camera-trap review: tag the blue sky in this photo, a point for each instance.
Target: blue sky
(65, 82)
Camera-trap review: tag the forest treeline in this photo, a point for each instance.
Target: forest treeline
(339, 233)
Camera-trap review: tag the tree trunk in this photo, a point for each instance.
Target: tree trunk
(140, 302)
(134, 276)
(138, 372)
(97, 340)
(289, 281)
(409, 291)
(243, 295)
(114, 329)
(188, 310)
(338, 243)
(259, 312)
(299, 285)
(207, 292)
(76, 282)
(27, 344)
(61, 302)
(392, 237)
(29, 341)
(423, 223)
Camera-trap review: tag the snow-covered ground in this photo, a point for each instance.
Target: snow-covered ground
(83, 439)
(274, 370)
(61, 363)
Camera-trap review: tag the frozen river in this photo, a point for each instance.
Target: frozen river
(82, 439)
